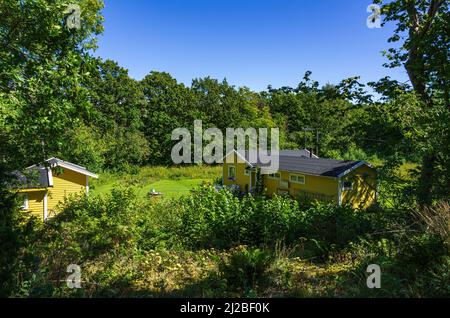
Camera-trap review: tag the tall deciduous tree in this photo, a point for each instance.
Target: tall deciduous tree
(423, 30)
(42, 66)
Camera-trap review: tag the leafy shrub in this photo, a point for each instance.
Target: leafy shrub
(210, 218)
(112, 238)
(246, 269)
(220, 219)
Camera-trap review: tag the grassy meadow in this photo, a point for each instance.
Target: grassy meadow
(172, 182)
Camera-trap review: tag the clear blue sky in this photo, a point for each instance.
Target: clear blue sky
(251, 43)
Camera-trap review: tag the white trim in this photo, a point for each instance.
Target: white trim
(269, 175)
(82, 171)
(297, 174)
(50, 177)
(87, 185)
(224, 159)
(26, 202)
(55, 162)
(339, 192)
(357, 165)
(45, 206)
(309, 154)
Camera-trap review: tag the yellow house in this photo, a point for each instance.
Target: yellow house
(304, 176)
(44, 186)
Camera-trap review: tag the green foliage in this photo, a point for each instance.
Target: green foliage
(42, 65)
(246, 269)
(219, 219)
(56, 99)
(92, 226)
(117, 239)
(16, 233)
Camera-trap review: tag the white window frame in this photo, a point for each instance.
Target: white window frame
(26, 202)
(229, 169)
(297, 175)
(273, 176)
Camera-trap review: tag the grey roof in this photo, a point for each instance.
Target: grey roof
(39, 176)
(297, 153)
(292, 161)
(55, 162)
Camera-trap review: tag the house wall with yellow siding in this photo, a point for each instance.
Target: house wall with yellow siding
(241, 179)
(35, 201)
(313, 184)
(362, 195)
(64, 184)
(364, 188)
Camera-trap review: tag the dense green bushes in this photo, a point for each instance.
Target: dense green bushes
(256, 243)
(219, 219)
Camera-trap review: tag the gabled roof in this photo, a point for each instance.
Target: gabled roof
(39, 176)
(31, 179)
(293, 161)
(55, 162)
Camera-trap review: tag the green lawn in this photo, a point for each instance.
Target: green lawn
(171, 188)
(171, 182)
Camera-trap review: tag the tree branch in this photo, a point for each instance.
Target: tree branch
(432, 10)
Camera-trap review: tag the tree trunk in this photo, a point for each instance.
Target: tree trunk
(425, 193)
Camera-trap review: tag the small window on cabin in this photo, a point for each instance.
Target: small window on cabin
(25, 204)
(297, 178)
(275, 175)
(247, 171)
(348, 185)
(231, 172)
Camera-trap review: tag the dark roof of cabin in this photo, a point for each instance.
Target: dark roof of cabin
(29, 179)
(294, 162)
(38, 176)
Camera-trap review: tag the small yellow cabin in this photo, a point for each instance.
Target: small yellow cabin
(304, 176)
(44, 186)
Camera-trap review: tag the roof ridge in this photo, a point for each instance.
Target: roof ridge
(67, 162)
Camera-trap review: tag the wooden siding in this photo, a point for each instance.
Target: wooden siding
(362, 195)
(241, 179)
(64, 184)
(35, 201)
(315, 185)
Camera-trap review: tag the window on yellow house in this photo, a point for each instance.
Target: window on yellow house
(297, 178)
(25, 205)
(231, 172)
(247, 171)
(276, 176)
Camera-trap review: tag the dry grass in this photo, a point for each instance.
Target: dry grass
(437, 219)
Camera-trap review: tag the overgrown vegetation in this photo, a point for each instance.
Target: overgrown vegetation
(57, 99)
(211, 243)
